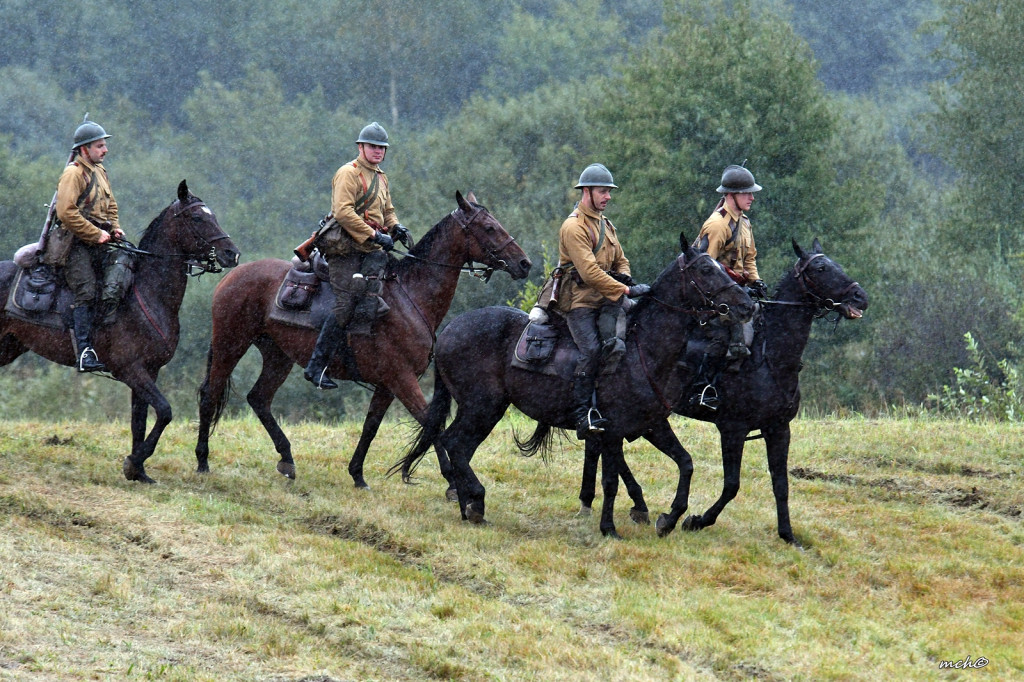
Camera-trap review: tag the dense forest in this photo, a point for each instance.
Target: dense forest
(892, 132)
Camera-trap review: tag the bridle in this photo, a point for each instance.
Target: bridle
(194, 265)
(820, 301)
(470, 226)
(708, 305)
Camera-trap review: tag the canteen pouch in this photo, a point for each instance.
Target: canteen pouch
(37, 290)
(298, 289)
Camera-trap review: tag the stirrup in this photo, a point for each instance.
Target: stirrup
(706, 399)
(322, 382)
(595, 424)
(94, 364)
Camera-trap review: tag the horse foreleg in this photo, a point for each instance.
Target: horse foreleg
(664, 438)
(777, 443)
(611, 457)
(379, 404)
(732, 458)
(276, 367)
(134, 468)
(591, 455)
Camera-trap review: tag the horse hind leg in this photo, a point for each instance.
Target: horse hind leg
(10, 349)
(461, 439)
(276, 367)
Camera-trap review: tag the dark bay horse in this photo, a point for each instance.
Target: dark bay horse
(473, 365)
(765, 394)
(419, 290)
(184, 239)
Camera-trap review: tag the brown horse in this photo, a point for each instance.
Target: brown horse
(419, 290)
(184, 239)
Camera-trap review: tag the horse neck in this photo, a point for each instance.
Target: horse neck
(161, 281)
(661, 334)
(430, 278)
(788, 327)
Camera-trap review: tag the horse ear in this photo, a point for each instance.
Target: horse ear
(683, 241)
(183, 191)
(462, 201)
(799, 252)
(472, 198)
(816, 246)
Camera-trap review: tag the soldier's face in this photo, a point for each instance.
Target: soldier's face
(743, 201)
(94, 151)
(599, 197)
(372, 153)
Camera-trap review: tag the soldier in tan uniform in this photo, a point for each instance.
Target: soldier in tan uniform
(729, 239)
(355, 243)
(87, 212)
(588, 250)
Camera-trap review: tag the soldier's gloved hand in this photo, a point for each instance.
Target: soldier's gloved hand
(385, 241)
(639, 290)
(759, 289)
(403, 235)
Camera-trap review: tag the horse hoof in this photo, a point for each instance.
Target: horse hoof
(584, 512)
(135, 473)
(639, 517)
(452, 495)
(286, 469)
(611, 533)
(664, 526)
(203, 469)
(692, 523)
(474, 516)
(407, 479)
(362, 485)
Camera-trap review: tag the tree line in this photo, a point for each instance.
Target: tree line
(892, 134)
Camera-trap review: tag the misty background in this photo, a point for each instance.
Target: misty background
(890, 131)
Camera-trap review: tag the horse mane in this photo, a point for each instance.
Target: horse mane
(149, 234)
(425, 244)
(646, 301)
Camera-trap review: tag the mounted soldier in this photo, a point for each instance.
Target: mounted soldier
(87, 215)
(355, 238)
(729, 238)
(595, 284)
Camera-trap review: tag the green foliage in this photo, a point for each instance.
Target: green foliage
(979, 126)
(721, 86)
(978, 395)
(528, 295)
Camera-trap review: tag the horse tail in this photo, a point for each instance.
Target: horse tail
(540, 441)
(437, 417)
(220, 402)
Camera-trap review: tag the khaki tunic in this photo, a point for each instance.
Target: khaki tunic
(349, 184)
(100, 205)
(731, 246)
(577, 238)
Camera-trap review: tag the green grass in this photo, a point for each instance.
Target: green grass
(912, 555)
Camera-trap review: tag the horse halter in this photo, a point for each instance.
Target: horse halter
(195, 265)
(709, 296)
(821, 301)
(469, 225)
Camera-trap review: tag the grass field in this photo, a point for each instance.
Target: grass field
(912, 557)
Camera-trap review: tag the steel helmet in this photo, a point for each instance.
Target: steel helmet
(89, 132)
(738, 180)
(596, 175)
(373, 134)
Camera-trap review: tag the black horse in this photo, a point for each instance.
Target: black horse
(765, 394)
(184, 239)
(473, 364)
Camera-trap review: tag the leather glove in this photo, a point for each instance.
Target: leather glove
(639, 290)
(622, 278)
(385, 241)
(759, 289)
(402, 234)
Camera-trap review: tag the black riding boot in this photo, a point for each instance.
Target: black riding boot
(331, 335)
(706, 395)
(588, 419)
(88, 361)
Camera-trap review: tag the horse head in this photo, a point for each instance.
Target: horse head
(825, 283)
(489, 243)
(190, 230)
(696, 282)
